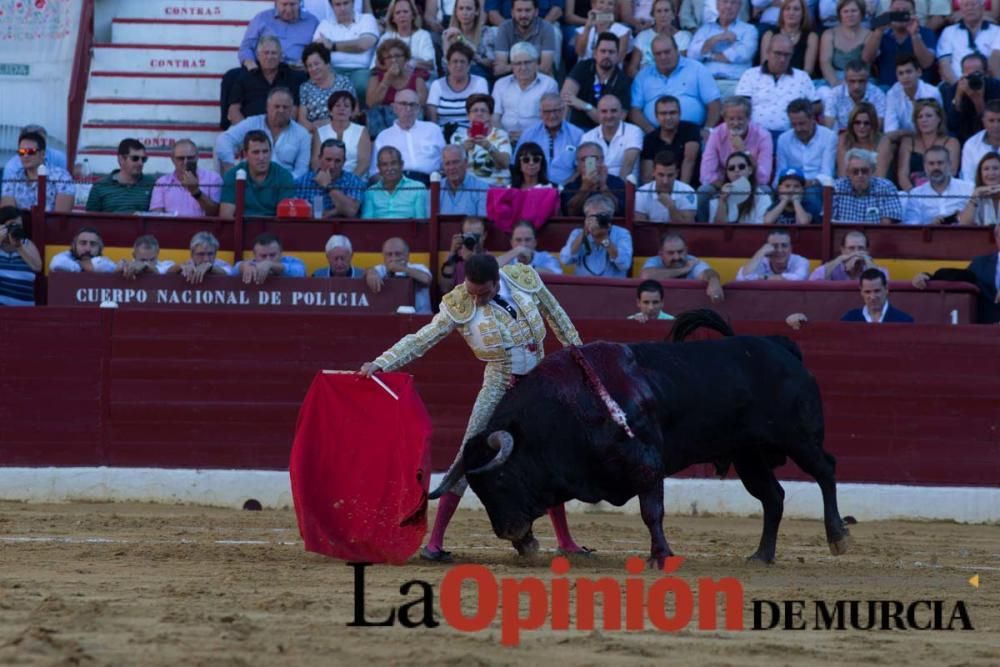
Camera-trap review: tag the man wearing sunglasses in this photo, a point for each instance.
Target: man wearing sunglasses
(188, 190)
(53, 156)
(862, 197)
(126, 189)
(20, 184)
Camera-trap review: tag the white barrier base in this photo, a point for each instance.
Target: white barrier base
(231, 488)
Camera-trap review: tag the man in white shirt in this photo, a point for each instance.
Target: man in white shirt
(972, 33)
(985, 141)
(775, 260)
(665, 199)
(939, 200)
(621, 141)
(774, 84)
(899, 100)
(145, 259)
(810, 148)
(725, 46)
(351, 38)
(84, 255)
(518, 96)
(420, 142)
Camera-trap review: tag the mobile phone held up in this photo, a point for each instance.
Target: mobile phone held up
(590, 165)
(477, 129)
(191, 166)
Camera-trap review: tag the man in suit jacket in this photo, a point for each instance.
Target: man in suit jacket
(983, 271)
(875, 292)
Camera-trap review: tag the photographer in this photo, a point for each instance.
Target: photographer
(965, 101)
(84, 255)
(904, 34)
(598, 248)
(471, 241)
(19, 261)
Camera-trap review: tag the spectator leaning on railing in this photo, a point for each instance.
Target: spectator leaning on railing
(267, 182)
(875, 293)
(19, 260)
(854, 259)
(339, 253)
(145, 259)
(524, 249)
(85, 255)
(20, 184)
(775, 260)
(126, 189)
(861, 197)
(203, 262)
(268, 260)
(188, 190)
(985, 273)
(461, 192)
(673, 262)
(396, 264)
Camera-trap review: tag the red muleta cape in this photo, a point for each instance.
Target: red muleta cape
(360, 468)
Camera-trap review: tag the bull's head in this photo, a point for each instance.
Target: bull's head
(500, 483)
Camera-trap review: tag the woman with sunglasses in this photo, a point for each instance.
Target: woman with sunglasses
(739, 200)
(357, 141)
(983, 207)
(530, 168)
(488, 147)
(862, 131)
(929, 131)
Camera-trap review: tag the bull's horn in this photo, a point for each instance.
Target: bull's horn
(455, 474)
(503, 443)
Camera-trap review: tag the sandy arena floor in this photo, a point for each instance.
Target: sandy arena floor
(131, 584)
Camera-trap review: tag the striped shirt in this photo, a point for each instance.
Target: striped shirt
(17, 280)
(451, 103)
(110, 196)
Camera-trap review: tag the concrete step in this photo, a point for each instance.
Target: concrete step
(203, 87)
(151, 112)
(195, 10)
(105, 160)
(164, 59)
(153, 137)
(168, 31)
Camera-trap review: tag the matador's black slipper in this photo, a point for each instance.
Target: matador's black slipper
(436, 556)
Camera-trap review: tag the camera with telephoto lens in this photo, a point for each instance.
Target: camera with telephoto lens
(470, 240)
(976, 81)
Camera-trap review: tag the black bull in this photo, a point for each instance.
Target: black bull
(747, 401)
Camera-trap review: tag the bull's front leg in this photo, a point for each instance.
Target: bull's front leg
(651, 507)
(527, 545)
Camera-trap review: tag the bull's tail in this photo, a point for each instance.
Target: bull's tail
(689, 321)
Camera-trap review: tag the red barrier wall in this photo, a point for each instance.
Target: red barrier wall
(905, 404)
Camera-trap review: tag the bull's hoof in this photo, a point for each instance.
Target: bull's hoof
(527, 548)
(760, 559)
(581, 552)
(840, 547)
(655, 562)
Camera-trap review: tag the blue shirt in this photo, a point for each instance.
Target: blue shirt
(325, 273)
(348, 183)
(690, 82)
(294, 267)
(293, 36)
(408, 200)
(594, 260)
(291, 151)
(888, 48)
(468, 199)
(560, 150)
(815, 158)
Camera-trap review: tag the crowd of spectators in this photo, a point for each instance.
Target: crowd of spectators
(719, 111)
